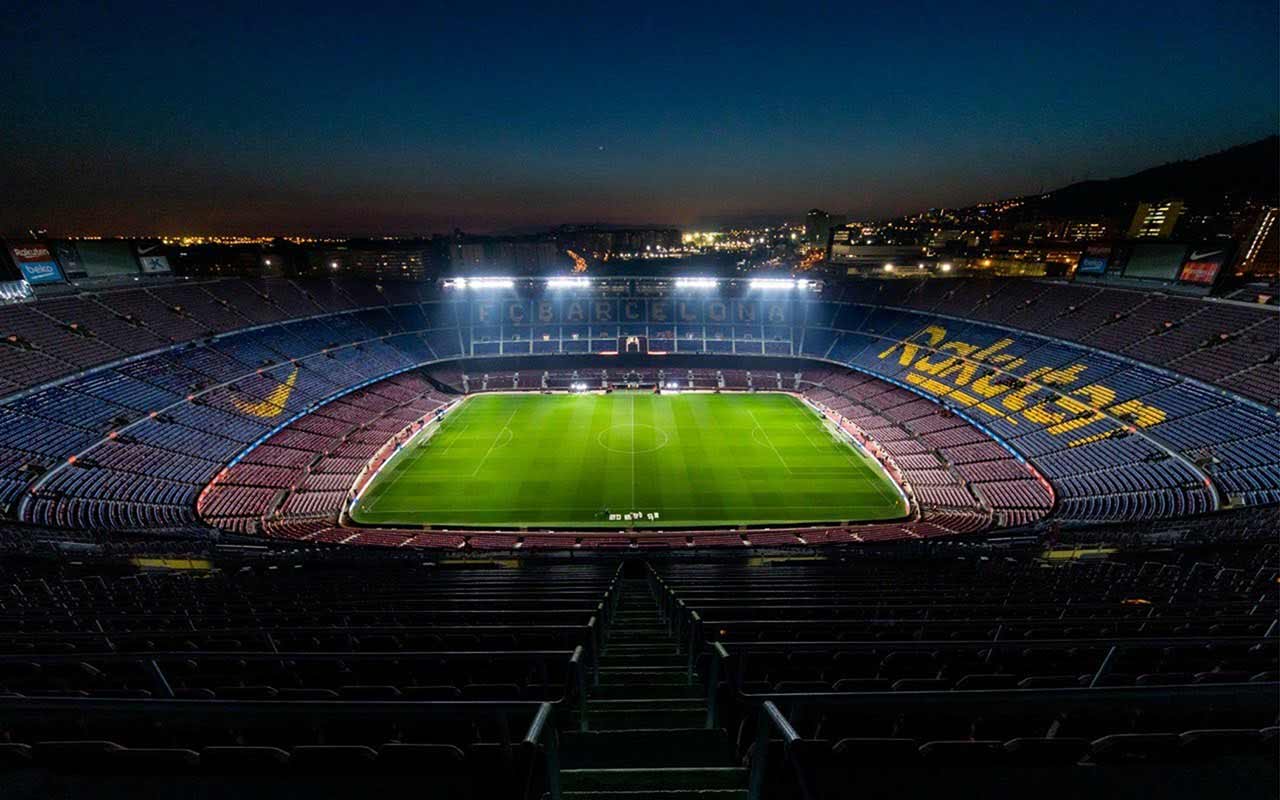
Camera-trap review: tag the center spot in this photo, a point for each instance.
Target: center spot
(632, 438)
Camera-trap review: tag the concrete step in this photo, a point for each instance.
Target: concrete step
(630, 634)
(625, 676)
(651, 778)
(617, 667)
(659, 794)
(613, 658)
(640, 648)
(645, 718)
(652, 643)
(634, 690)
(625, 704)
(687, 747)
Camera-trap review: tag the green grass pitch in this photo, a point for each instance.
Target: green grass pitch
(533, 460)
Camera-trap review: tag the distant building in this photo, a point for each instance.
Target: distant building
(405, 262)
(1260, 246)
(469, 254)
(818, 225)
(1155, 220)
(849, 251)
(1082, 230)
(604, 243)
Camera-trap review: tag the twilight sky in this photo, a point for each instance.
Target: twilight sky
(275, 117)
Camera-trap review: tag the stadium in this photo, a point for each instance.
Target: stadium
(637, 537)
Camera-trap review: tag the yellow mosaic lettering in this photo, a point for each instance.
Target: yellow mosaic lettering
(934, 333)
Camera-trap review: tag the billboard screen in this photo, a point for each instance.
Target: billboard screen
(14, 292)
(104, 259)
(151, 258)
(1204, 263)
(69, 257)
(36, 263)
(1094, 259)
(1155, 261)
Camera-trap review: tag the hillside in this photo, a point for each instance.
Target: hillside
(1249, 171)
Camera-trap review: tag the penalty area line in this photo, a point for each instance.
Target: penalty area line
(505, 427)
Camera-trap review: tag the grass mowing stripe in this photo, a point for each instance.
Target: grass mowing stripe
(571, 460)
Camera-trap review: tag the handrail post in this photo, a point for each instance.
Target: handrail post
(581, 681)
(991, 651)
(759, 751)
(166, 690)
(553, 763)
(713, 689)
(542, 721)
(694, 627)
(595, 651)
(1103, 668)
(719, 656)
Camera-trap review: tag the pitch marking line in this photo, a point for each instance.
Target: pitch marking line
(455, 438)
(633, 451)
(504, 509)
(856, 458)
(768, 442)
(505, 427)
(860, 458)
(408, 460)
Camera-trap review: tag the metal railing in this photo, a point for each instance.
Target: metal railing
(729, 661)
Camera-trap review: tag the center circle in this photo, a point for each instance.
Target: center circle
(629, 438)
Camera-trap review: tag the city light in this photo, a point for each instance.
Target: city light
(888, 268)
(945, 267)
(774, 283)
(696, 283)
(568, 283)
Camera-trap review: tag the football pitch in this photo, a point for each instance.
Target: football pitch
(629, 460)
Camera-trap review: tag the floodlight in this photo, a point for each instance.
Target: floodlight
(774, 283)
(568, 283)
(696, 283)
(480, 283)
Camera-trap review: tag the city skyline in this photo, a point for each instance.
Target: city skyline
(380, 122)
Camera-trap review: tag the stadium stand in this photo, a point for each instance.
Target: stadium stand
(718, 676)
(123, 405)
(306, 675)
(977, 678)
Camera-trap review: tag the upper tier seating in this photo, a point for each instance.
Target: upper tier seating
(1002, 678)
(313, 673)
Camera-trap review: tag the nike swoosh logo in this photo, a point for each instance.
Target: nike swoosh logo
(143, 252)
(273, 406)
(1198, 256)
